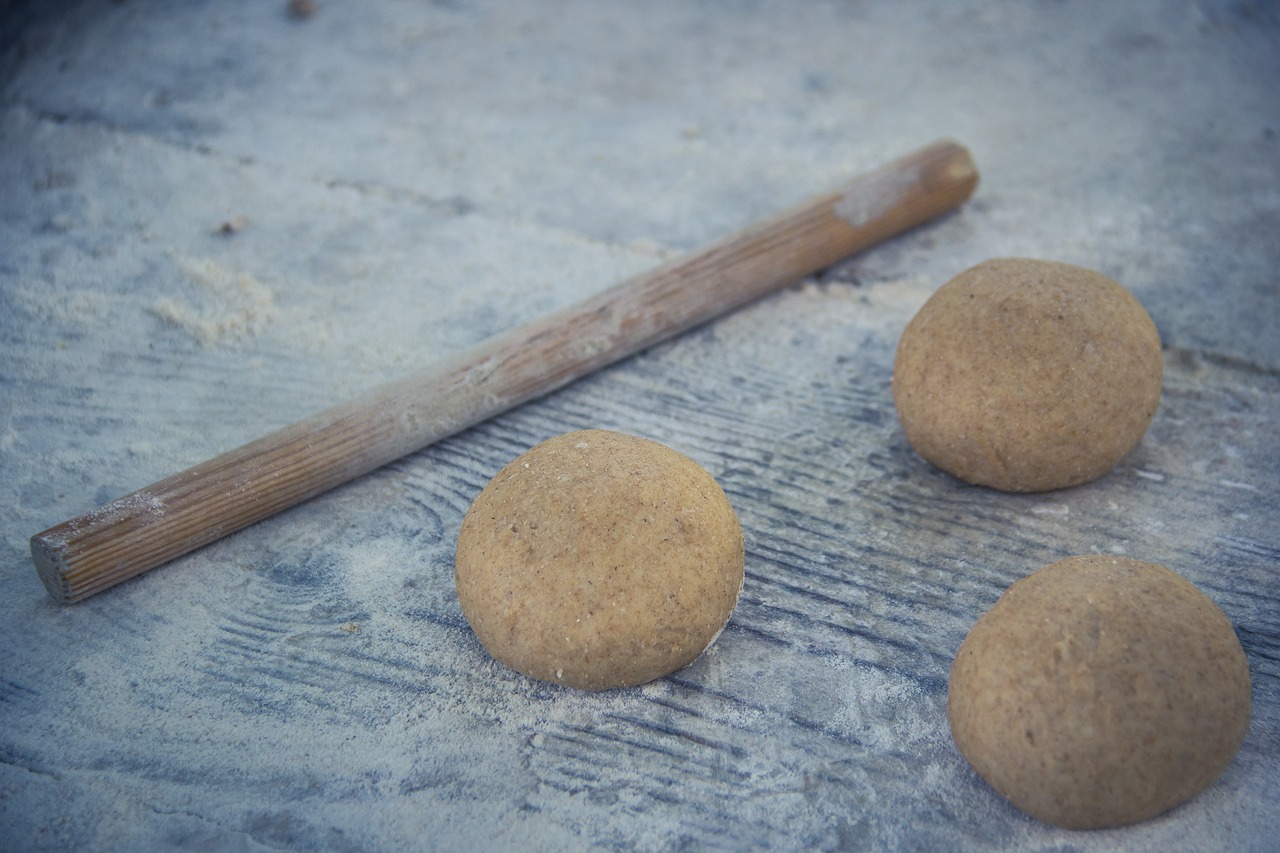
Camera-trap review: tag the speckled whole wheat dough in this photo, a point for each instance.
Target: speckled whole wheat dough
(1100, 691)
(599, 560)
(1027, 375)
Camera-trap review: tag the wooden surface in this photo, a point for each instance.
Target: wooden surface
(155, 524)
(415, 178)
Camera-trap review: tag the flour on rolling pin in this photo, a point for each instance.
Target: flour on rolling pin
(876, 196)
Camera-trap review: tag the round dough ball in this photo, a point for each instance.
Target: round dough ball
(599, 560)
(1028, 375)
(1100, 691)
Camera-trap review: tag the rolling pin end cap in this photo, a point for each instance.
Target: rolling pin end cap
(51, 568)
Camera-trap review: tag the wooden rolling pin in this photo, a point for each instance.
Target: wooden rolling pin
(152, 526)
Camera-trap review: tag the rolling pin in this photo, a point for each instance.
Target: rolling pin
(140, 531)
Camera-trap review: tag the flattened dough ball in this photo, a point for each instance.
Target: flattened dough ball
(599, 560)
(1028, 375)
(1100, 691)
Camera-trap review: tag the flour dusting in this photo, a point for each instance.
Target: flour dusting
(232, 305)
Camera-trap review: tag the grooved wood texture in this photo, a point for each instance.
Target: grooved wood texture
(151, 526)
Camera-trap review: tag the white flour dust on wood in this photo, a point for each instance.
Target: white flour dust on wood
(231, 305)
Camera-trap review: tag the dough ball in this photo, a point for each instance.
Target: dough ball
(1100, 691)
(1028, 375)
(599, 560)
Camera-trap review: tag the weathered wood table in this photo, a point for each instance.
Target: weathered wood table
(216, 219)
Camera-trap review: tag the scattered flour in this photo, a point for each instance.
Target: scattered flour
(235, 305)
(82, 308)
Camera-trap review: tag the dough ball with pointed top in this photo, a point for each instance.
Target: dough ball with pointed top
(1100, 691)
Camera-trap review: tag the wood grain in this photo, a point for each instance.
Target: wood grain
(142, 530)
(483, 164)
